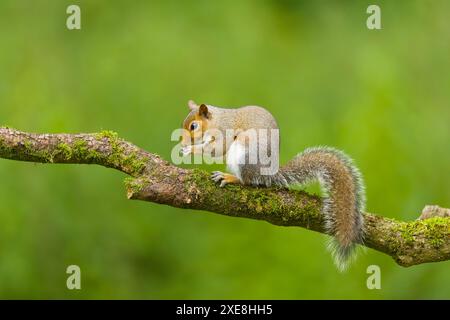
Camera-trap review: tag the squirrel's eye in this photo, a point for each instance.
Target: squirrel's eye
(194, 126)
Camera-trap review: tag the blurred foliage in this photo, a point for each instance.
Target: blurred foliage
(382, 96)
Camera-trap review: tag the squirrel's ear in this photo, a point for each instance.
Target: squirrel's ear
(192, 105)
(203, 111)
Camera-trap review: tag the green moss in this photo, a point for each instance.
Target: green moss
(28, 145)
(133, 162)
(26, 150)
(106, 134)
(94, 155)
(201, 180)
(78, 150)
(435, 230)
(135, 185)
(261, 201)
(66, 150)
(43, 155)
(114, 141)
(407, 232)
(116, 154)
(80, 147)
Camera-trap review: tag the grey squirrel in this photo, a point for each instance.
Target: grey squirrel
(339, 178)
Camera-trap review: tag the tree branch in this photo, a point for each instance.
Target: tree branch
(154, 179)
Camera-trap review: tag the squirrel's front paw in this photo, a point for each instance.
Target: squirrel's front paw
(223, 178)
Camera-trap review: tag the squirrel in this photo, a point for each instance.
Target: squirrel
(339, 178)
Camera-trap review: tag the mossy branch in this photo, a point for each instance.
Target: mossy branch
(154, 179)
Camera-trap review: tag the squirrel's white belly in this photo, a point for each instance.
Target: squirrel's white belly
(235, 158)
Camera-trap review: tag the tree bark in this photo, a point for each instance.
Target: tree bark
(156, 180)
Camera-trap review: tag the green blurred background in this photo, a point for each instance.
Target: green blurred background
(382, 96)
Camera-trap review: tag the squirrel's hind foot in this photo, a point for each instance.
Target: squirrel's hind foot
(224, 178)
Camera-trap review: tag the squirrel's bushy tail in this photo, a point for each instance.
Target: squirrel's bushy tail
(344, 200)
